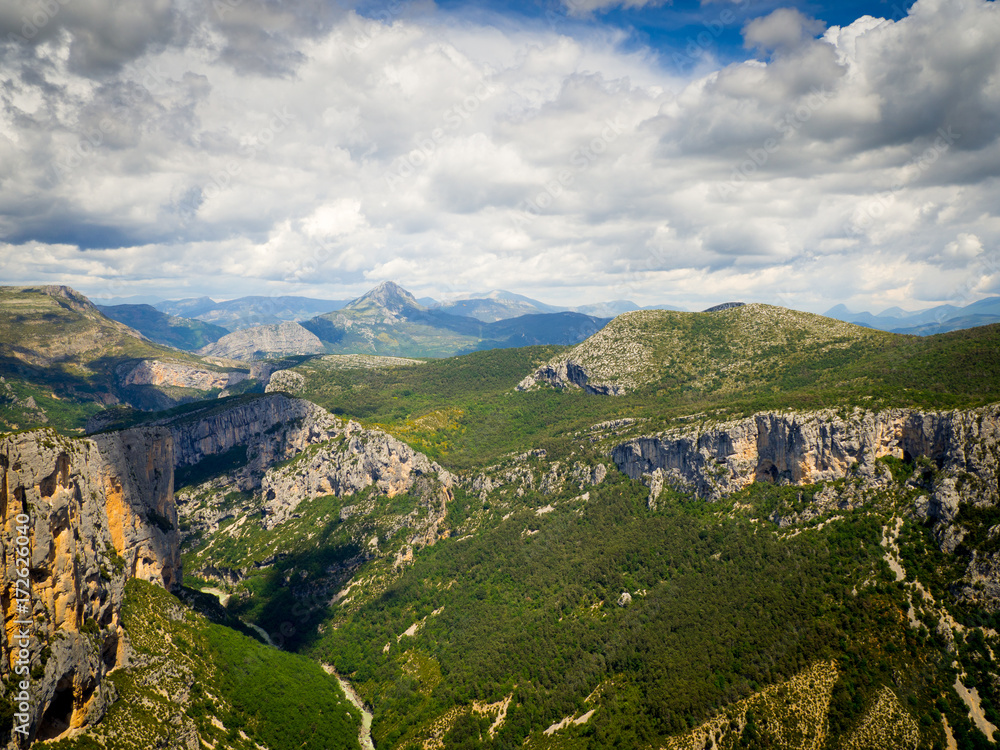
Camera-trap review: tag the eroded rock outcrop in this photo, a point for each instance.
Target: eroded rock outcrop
(276, 339)
(357, 459)
(99, 511)
(567, 374)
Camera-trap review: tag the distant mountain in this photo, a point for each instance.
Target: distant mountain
(246, 312)
(502, 305)
(188, 334)
(261, 342)
(561, 328)
(388, 320)
(607, 309)
(952, 324)
(191, 307)
(938, 319)
(497, 305)
(135, 299)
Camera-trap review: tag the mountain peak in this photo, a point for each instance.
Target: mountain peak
(388, 295)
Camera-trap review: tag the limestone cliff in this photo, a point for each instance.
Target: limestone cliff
(356, 460)
(272, 428)
(100, 511)
(822, 446)
(179, 374)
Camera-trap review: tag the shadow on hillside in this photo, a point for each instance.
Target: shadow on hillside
(292, 598)
(56, 379)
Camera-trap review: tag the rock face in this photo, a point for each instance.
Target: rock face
(253, 343)
(100, 511)
(285, 381)
(272, 428)
(567, 374)
(156, 372)
(822, 446)
(356, 460)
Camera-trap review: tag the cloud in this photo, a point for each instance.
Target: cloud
(339, 150)
(784, 29)
(98, 35)
(960, 252)
(586, 7)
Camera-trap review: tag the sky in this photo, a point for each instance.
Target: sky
(801, 153)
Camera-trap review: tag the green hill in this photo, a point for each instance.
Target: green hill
(737, 349)
(465, 410)
(62, 361)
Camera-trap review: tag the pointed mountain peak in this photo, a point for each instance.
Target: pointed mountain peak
(388, 295)
(837, 310)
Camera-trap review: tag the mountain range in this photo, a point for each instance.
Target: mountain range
(247, 312)
(432, 328)
(939, 319)
(388, 320)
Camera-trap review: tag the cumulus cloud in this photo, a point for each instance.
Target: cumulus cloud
(98, 35)
(342, 150)
(784, 29)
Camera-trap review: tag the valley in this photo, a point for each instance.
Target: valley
(746, 528)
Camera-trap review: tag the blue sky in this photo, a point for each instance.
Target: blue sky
(796, 153)
(678, 32)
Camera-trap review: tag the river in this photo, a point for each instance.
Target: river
(365, 733)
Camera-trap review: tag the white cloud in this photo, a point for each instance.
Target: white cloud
(784, 29)
(585, 7)
(859, 166)
(961, 251)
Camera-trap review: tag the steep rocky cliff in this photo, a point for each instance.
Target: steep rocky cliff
(822, 446)
(179, 374)
(271, 428)
(99, 512)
